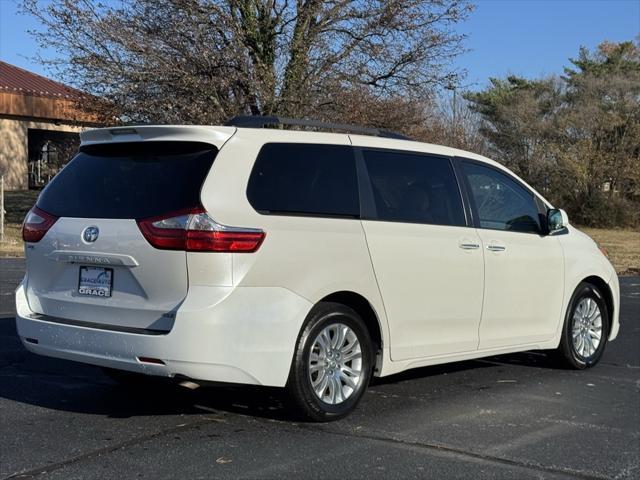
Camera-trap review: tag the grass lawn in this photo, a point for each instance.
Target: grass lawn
(623, 246)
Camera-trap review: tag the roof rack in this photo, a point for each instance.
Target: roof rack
(258, 121)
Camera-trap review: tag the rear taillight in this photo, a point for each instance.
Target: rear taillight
(36, 224)
(194, 230)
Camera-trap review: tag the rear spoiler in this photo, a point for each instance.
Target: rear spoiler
(216, 136)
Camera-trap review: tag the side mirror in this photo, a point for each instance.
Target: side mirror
(557, 219)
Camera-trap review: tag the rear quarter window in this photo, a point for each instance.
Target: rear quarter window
(129, 180)
(304, 179)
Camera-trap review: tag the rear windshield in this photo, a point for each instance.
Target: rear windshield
(129, 180)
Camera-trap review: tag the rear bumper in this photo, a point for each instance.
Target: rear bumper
(223, 334)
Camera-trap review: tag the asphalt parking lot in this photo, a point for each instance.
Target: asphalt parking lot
(512, 416)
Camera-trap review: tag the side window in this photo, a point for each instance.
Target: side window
(501, 202)
(414, 188)
(299, 179)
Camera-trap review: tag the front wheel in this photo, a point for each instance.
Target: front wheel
(586, 329)
(332, 364)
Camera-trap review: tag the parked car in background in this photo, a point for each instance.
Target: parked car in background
(298, 259)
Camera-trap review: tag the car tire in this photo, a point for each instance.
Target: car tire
(586, 318)
(332, 363)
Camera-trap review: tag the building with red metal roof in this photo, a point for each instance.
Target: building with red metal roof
(39, 124)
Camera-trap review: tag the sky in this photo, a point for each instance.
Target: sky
(530, 38)
(534, 38)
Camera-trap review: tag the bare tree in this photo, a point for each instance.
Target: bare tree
(202, 61)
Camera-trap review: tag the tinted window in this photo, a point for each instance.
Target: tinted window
(501, 202)
(414, 188)
(304, 179)
(129, 180)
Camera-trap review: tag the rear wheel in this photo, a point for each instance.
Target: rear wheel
(586, 329)
(332, 364)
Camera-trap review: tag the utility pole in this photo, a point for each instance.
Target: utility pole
(454, 91)
(452, 135)
(1, 208)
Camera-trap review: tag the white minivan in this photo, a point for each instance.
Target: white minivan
(301, 259)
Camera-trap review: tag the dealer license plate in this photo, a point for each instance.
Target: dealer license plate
(95, 281)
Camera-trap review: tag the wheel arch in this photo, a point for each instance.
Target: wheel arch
(362, 307)
(603, 287)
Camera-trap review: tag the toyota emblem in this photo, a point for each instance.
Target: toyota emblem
(90, 234)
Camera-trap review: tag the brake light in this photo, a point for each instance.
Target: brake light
(194, 230)
(36, 224)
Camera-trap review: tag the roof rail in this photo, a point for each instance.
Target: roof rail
(258, 121)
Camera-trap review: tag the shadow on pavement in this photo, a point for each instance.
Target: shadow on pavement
(73, 387)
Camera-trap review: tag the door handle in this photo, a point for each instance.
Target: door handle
(466, 244)
(496, 248)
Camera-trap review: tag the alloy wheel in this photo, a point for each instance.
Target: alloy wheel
(335, 363)
(587, 327)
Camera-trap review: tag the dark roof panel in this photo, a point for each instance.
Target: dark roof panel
(17, 80)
